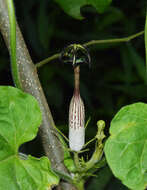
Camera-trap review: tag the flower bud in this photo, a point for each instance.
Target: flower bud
(76, 123)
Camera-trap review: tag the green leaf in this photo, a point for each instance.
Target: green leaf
(145, 35)
(72, 7)
(20, 117)
(126, 148)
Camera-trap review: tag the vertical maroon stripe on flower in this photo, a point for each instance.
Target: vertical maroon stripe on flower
(78, 114)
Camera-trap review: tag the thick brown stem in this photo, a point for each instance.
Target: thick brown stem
(31, 84)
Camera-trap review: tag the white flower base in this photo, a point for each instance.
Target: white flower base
(76, 138)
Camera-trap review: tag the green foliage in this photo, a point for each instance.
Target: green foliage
(20, 117)
(126, 149)
(73, 7)
(146, 42)
(113, 81)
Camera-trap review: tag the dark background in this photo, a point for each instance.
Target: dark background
(115, 79)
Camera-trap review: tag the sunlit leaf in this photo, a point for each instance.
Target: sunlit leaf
(126, 148)
(20, 117)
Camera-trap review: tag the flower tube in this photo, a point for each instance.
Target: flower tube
(76, 117)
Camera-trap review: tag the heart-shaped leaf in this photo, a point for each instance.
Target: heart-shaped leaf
(20, 117)
(126, 148)
(72, 7)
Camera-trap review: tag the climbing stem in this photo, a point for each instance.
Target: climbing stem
(116, 40)
(47, 60)
(12, 22)
(93, 42)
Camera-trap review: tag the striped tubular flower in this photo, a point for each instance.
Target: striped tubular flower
(76, 123)
(76, 118)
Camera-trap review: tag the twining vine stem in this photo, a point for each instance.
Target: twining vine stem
(11, 13)
(92, 42)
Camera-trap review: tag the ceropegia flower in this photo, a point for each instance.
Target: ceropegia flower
(76, 123)
(76, 55)
(76, 116)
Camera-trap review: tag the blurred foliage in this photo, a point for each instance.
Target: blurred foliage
(73, 7)
(116, 77)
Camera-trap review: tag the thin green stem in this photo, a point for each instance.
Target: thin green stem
(76, 160)
(79, 152)
(116, 40)
(64, 176)
(89, 142)
(61, 134)
(47, 60)
(12, 22)
(93, 42)
(87, 123)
